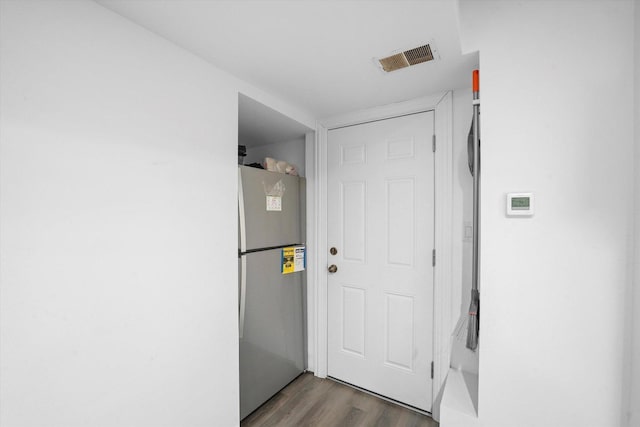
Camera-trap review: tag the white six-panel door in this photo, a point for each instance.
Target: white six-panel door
(381, 223)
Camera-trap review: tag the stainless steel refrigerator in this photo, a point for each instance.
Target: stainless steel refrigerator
(272, 348)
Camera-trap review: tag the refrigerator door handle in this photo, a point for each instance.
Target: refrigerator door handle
(241, 214)
(243, 292)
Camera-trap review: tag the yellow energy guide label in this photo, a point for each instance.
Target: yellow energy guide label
(294, 259)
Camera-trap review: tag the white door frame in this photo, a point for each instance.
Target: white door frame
(316, 167)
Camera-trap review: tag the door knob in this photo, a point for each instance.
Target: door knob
(332, 268)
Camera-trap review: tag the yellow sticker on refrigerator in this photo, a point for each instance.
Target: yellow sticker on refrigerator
(293, 259)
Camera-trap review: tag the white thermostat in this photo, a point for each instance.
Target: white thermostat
(520, 204)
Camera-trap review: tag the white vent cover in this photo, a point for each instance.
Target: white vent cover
(407, 58)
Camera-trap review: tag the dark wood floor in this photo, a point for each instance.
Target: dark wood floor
(311, 401)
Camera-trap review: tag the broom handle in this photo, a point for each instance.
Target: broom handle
(476, 179)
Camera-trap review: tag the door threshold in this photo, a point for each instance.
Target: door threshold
(388, 399)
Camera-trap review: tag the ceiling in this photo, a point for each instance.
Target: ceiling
(316, 54)
(261, 125)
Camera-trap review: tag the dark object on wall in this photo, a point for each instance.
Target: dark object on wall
(473, 327)
(242, 153)
(470, 149)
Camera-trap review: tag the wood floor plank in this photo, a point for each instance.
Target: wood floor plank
(331, 409)
(258, 417)
(314, 402)
(299, 404)
(353, 417)
(297, 385)
(387, 415)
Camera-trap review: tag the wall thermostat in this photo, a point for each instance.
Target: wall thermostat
(520, 204)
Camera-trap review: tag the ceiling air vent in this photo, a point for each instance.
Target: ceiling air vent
(407, 58)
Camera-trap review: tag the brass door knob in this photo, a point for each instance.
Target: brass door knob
(332, 268)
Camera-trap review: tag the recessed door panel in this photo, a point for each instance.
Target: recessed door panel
(399, 331)
(353, 154)
(400, 149)
(400, 221)
(353, 320)
(354, 219)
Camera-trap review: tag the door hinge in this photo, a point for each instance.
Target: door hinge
(432, 370)
(433, 143)
(433, 258)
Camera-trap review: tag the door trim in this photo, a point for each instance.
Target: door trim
(316, 167)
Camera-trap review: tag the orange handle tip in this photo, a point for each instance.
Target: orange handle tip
(476, 81)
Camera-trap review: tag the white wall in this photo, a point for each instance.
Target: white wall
(557, 120)
(634, 401)
(118, 295)
(293, 152)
